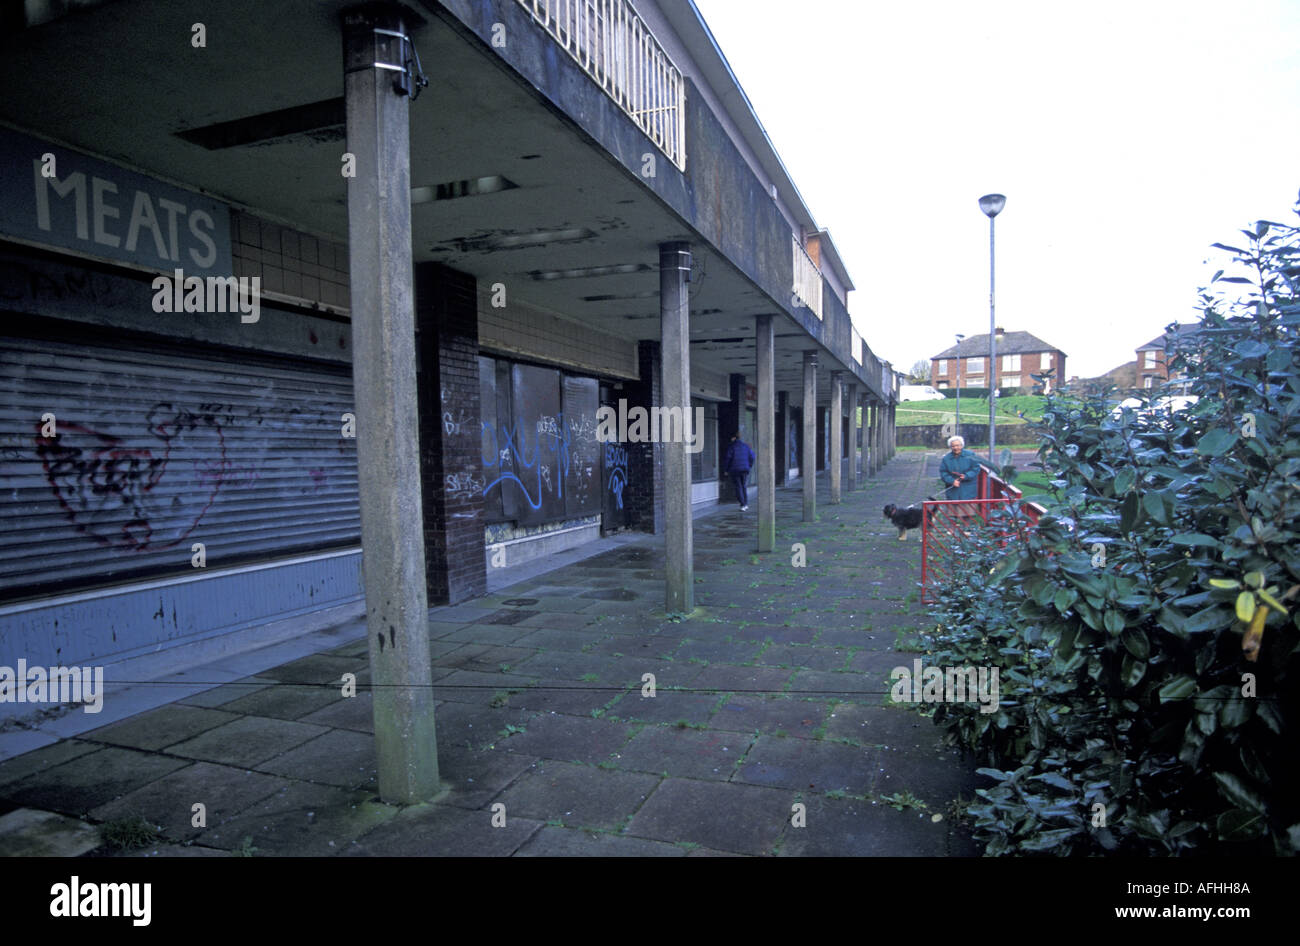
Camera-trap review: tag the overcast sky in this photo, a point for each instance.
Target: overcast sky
(1127, 137)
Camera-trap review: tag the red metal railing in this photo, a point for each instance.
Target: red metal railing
(945, 524)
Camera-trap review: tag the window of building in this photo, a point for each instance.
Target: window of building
(1148, 381)
(1045, 359)
(1010, 362)
(1149, 360)
(974, 365)
(941, 366)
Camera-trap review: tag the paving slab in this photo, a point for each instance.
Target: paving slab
(228, 692)
(339, 757)
(820, 684)
(554, 841)
(571, 738)
(90, 780)
(301, 820)
(854, 828)
(31, 763)
(811, 765)
(724, 816)
(682, 752)
(744, 713)
(666, 706)
(434, 830)
(27, 832)
(161, 727)
(581, 796)
(356, 713)
(804, 656)
(474, 777)
(724, 678)
(169, 802)
(247, 741)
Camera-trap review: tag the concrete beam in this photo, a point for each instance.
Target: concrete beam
(387, 414)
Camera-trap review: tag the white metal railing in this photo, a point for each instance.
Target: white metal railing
(807, 286)
(619, 52)
(856, 346)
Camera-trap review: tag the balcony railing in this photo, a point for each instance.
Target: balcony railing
(807, 287)
(608, 40)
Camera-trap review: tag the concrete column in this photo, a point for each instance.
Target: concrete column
(387, 417)
(875, 438)
(836, 436)
(893, 430)
(766, 447)
(852, 483)
(675, 349)
(808, 458)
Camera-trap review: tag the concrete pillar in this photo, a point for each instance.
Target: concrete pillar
(893, 430)
(387, 416)
(852, 483)
(836, 436)
(675, 349)
(875, 438)
(766, 447)
(808, 459)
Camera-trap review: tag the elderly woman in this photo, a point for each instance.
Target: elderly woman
(960, 472)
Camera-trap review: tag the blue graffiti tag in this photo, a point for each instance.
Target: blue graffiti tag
(616, 463)
(510, 445)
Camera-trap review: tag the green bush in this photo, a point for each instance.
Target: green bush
(1146, 632)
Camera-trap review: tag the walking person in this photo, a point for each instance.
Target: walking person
(737, 463)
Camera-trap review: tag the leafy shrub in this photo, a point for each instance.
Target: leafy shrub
(1146, 631)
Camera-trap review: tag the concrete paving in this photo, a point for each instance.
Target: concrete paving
(770, 731)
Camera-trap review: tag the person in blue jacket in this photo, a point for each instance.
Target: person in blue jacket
(960, 472)
(736, 464)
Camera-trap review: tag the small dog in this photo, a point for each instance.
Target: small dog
(905, 519)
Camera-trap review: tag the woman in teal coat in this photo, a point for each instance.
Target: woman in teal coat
(960, 472)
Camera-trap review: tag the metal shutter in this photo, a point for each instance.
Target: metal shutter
(158, 447)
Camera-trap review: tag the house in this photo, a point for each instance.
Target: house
(1020, 356)
(1153, 357)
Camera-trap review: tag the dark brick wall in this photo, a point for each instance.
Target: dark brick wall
(782, 437)
(728, 424)
(446, 318)
(643, 497)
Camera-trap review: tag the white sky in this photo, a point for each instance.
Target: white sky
(1127, 137)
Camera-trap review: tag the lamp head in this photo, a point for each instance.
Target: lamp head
(992, 204)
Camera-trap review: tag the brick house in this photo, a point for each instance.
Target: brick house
(1152, 358)
(1020, 356)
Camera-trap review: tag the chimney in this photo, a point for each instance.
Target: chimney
(999, 332)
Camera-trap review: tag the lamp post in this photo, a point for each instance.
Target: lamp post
(959, 340)
(992, 205)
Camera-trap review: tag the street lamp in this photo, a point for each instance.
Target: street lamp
(992, 205)
(959, 340)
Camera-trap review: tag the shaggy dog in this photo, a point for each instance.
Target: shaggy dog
(905, 519)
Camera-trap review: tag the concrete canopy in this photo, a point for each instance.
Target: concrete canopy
(123, 80)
